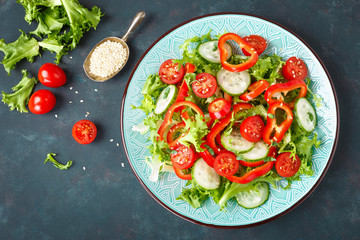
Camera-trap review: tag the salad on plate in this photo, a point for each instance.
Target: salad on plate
(229, 124)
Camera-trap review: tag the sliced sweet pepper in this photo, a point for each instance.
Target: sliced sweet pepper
(243, 45)
(251, 175)
(173, 143)
(181, 174)
(210, 139)
(277, 92)
(272, 131)
(254, 90)
(169, 114)
(206, 155)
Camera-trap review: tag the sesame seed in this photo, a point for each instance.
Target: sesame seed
(71, 88)
(84, 168)
(76, 92)
(117, 144)
(95, 90)
(70, 57)
(56, 115)
(70, 102)
(122, 164)
(81, 100)
(111, 140)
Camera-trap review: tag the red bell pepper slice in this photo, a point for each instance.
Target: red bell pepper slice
(218, 140)
(251, 175)
(275, 92)
(169, 114)
(228, 98)
(210, 139)
(173, 143)
(243, 45)
(255, 90)
(272, 131)
(181, 174)
(208, 158)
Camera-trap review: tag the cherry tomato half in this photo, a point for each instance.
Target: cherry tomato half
(257, 42)
(219, 108)
(170, 73)
(252, 128)
(84, 131)
(287, 166)
(204, 85)
(294, 69)
(42, 101)
(51, 75)
(225, 164)
(184, 157)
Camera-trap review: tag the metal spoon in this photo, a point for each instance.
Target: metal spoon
(136, 21)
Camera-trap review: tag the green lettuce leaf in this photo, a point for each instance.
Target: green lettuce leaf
(147, 105)
(50, 22)
(22, 91)
(193, 196)
(23, 47)
(153, 86)
(50, 158)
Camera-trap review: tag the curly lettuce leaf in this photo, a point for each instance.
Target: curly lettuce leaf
(50, 22)
(147, 105)
(50, 158)
(22, 91)
(153, 86)
(194, 196)
(196, 130)
(24, 47)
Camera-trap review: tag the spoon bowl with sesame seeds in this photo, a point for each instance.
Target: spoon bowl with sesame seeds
(110, 55)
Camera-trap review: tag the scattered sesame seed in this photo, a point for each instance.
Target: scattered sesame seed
(70, 57)
(111, 140)
(76, 92)
(81, 100)
(70, 88)
(84, 168)
(122, 164)
(70, 102)
(87, 114)
(117, 144)
(56, 115)
(95, 90)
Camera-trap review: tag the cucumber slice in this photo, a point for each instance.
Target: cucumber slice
(210, 51)
(236, 143)
(233, 83)
(166, 99)
(205, 175)
(254, 197)
(305, 114)
(260, 151)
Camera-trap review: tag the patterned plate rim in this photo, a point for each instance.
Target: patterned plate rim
(245, 225)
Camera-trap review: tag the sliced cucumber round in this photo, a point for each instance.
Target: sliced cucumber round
(205, 175)
(233, 83)
(260, 151)
(166, 98)
(210, 51)
(236, 143)
(255, 197)
(305, 114)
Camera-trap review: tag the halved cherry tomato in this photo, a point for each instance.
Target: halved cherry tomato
(294, 69)
(84, 131)
(42, 101)
(254, 90)
(219, 108)
(51, 75)
(170, 73)
(252, 128)
(226, 164)
(287, 166)
(257, 42)
(204, 85)
(184, 158)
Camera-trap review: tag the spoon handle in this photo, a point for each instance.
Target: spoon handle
(139, 17)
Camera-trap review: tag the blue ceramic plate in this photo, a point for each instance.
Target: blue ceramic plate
(280, 41)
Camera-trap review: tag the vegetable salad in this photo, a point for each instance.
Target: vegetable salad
(229, 124)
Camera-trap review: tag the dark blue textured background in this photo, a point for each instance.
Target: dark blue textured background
(105, 201)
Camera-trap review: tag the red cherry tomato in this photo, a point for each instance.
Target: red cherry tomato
(219, 108)
(257, 42)
(252, 128)
(204, 85)
(42, 101)
(225, 164)
(287, 166)
(170, 73)
(84, 131)
(294, 69)
(184, 158)
(180, 173)
(51, 75)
